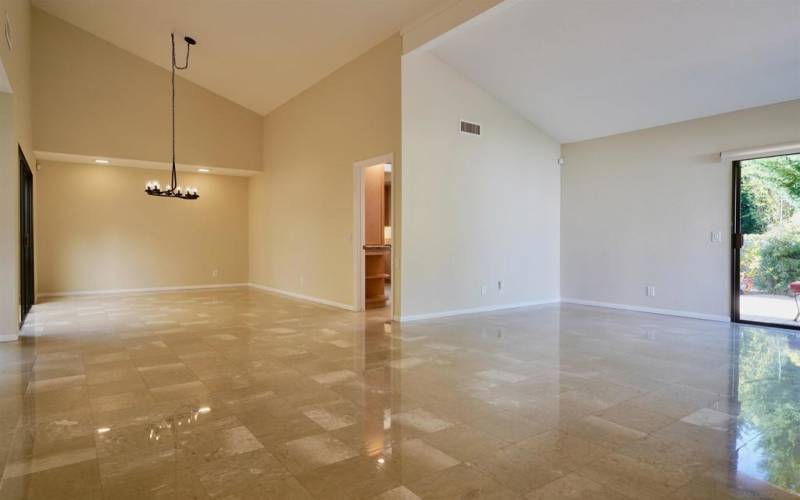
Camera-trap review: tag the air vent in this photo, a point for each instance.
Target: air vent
(470, 128)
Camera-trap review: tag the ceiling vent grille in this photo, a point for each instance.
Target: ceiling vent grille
(470, 128)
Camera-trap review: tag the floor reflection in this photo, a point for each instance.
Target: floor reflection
(768, 438)
(170, 425)
(240, 394)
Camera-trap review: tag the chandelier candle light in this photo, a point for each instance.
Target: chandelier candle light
(173, 190)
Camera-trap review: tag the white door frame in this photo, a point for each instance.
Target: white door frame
(358, 228)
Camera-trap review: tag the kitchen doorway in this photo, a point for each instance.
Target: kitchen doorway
(374, 224)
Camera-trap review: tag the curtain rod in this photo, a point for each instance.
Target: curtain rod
(760, 152)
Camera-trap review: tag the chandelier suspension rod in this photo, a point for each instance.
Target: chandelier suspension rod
(189, 43)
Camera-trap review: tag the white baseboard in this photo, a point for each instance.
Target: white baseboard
(301, 296)
(9, 338)
(651, 310)
(413, 317)
(473, 310)
(140, 290)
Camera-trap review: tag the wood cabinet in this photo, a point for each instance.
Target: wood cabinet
(377, 253)
(375, 258)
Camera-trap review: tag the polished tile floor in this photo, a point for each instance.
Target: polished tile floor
(239, 394)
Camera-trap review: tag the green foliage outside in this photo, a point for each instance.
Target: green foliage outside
(770, 192)
(772, 260)
(770, 220)
(769, 393)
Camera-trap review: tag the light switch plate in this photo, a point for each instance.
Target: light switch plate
(716, 236)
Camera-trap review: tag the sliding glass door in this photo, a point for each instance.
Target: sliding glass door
(766, 242)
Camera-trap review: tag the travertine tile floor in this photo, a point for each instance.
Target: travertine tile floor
(241, 394)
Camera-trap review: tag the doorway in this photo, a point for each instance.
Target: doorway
(374, 223)
(766, 241)
(27, 281)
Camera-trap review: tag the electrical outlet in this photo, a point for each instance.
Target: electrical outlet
(215, 273)
(500, 286)
(484, 290)
(650, 291)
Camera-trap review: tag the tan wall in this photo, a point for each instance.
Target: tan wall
(301, 206)
(17, 64)
(638, 209)
(15, 128)
(99, 230)
(93, 98)
(9, 221)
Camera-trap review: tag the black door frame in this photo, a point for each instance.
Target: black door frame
(737, 240)
(26, 256)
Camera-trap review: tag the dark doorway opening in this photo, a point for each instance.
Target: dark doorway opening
(765, 273)
(27, 281)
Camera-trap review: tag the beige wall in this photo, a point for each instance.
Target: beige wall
(9, 221)
(17, 64)
(476, 210)
(92, 98)
(638, 209)
(96, 228)
(100, 231)
(15, 128)
(301, 206)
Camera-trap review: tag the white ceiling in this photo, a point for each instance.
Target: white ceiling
(581, 69)
(258, 53)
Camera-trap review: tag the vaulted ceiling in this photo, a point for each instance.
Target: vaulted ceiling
(258, 53)
(581, 69)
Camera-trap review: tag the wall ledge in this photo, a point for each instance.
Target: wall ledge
(145, 164)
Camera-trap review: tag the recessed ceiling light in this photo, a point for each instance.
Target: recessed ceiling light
(102, 162)
(204, 170)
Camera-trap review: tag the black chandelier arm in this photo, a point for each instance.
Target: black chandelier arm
(188, 195)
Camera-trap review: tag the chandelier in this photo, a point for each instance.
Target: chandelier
(173, 190)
